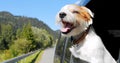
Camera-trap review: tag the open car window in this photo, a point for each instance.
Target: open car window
(62, 53)
(59, 51)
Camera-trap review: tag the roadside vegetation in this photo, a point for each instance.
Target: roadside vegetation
(24, 40)
(31, 59)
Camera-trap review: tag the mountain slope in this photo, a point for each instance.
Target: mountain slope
(19, 21)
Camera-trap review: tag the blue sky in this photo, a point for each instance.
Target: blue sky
(44, 10)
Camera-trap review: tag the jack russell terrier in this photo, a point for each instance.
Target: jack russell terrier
(76, 21)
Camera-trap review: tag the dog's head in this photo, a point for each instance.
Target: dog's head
(74, 19)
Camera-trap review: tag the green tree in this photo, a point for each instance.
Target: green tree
(18, 33)
(27, 32)
(6, 36)
(42, 37)
(21, 46)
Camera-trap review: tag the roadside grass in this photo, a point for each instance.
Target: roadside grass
(34, 58)
(30, 59)
(39, 57)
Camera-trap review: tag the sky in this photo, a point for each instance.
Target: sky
(44, 10)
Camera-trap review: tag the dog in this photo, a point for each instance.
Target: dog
(76, 21)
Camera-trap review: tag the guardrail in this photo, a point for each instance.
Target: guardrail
(16, 59)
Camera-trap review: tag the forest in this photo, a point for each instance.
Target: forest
(20, 35)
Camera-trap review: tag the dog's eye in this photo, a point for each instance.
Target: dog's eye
(76, 12)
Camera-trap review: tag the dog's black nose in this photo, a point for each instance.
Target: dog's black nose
(62, 15)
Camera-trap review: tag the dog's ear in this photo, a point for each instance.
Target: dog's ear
(90, 13)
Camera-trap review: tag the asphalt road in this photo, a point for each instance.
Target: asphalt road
(48, 55)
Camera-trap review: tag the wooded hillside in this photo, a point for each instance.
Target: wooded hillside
(20, 34)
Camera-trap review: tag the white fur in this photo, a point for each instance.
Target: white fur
(91, 49)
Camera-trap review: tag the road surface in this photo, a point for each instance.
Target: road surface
(48, 55)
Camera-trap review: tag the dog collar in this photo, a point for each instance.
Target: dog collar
(77, 39)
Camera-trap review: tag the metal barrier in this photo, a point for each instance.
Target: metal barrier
(16, 59)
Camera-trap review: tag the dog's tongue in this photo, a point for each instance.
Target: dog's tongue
(64, 29)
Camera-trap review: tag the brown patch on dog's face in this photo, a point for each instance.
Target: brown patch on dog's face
(80, 13)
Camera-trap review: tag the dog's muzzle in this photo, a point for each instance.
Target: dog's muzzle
(67, 26)
(62, 15)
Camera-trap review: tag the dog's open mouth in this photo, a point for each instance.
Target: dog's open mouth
(67, 27)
